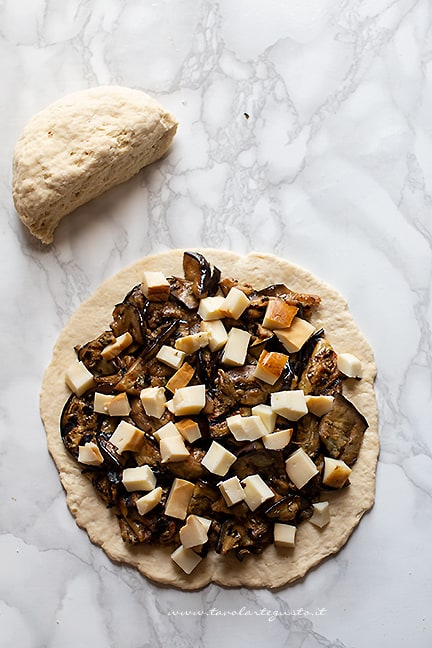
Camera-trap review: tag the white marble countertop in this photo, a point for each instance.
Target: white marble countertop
(332, 170)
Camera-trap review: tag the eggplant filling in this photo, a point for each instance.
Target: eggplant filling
(211, 415)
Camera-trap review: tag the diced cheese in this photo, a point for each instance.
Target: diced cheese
(319, 405)
(195, 532)
(321, 514)
(78, 378)
(90, 454)
(277, 440)
(256, 491)
(189, 429)
(232, 491)
(191, 343)
(266, 414)
(186, 559)
(235, 303)
(148, 502)
(349, 365)
(209, 308)
(218, 459)
(181, 378)
(119, 405)
(172, 448)
(336, 472)
(296, 335)
(155, 286)
(217, 333)
(189, 400)
(140, 478)
(167, 430)
(153, 400)
(300, 468)
(127, 437)
(170, 356)
(246, 428)
(270, 366)
(279, 314)
(100, 402)
(289, 404)
(115, 348)
(284, 535)
(178, 499)
(235, 350)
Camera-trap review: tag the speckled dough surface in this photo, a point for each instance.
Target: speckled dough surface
(82, 145)
(274, 567)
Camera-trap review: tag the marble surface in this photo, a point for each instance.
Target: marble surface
(305, 130)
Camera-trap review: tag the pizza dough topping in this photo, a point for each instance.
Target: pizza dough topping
(233, 423)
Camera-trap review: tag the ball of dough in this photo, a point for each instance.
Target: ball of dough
(82, 145)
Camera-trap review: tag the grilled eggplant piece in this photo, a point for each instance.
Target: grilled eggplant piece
(90, 355)
(78, 423)
(181, 290)
(321, 375)
(307, 435)
(197, 270)
(342, 430)
(128, 318)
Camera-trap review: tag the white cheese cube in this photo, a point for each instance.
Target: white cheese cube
(186, 559)
(235, 303)
(172, 448)
(218, 459)
(284, 535)
(267, 416)
(78, 378)
(246, 428)
(119, 405)
(300, 468)
(235, 350)
(279, 314)
(277, 440)
(181, 378)
(153, 400)
(321, 514)
(289, 404)
(170, 356)
(178, 499)
(141, 478)
(90, 454)
(270, 366)
(148, 502)
(100, 402)
(336, 472)
(155, 286)
(296, 335)
(209, 308)
(189, 429)
(191, 343)
(189, 400)
(256, 491)
(349, 365)
(195, 532)
(217, 334)
(232, 491)
(167, 430)
(319, 405)
(127, 437)
(115, 348)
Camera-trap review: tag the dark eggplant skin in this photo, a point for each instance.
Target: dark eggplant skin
(229, 390)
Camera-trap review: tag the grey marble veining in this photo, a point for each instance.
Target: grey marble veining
(305, 130)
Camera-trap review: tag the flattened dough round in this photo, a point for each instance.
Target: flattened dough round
(82, 145)
(274, 567)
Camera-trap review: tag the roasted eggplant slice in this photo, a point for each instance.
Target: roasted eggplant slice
(342, 430)
(78, 423)
(197, 270)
